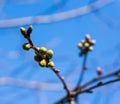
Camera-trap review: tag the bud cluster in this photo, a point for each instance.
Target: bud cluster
(86, 45)
(43, 57)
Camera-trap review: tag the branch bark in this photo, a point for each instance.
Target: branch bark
(81, 89)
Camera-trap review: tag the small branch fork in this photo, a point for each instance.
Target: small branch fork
(82, 89)
(72, 95)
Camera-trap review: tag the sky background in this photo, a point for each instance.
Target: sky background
(19, 73)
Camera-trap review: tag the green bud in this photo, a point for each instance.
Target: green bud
(51, 64)
(29, 30)
(43, 63)
(49, 54)
(42, 50)
(26, 46)
(23, 31)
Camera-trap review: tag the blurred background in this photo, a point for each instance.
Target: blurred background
(59, 25)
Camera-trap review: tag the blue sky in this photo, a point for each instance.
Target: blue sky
(62, 36)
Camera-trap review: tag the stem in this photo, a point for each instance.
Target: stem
(82, 71)
(79, 89)
(62, 80)
(102, 77)
(98, 85)
(53, 69)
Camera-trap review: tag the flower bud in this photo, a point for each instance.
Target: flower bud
(92, 42)
(86, 44)
(87, 37)
(51, 64)
(29, 30)
(23, 31)
(49, 54)
(82, 42)
(80, 45)
(42, 50)
(26, 46)
(90, 48)
(43, 63)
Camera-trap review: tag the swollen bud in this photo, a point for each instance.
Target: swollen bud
(43, 63)
(92, 42)
(80, 45)
(49, 54)
(86, 44)
(82, 42)
(42, 50)
(51, 64)
(23, 31)
(90, 48)
(87, 37)
(29, 30)
(26, 46)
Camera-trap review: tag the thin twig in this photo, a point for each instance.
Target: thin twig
(62, 80)
(98, 85)
(73, 94)
(82, 71)
(32, 44)
(80, 89)
(100, 78)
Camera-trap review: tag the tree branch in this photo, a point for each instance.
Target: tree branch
(80, 89)
(62, 80)
(98, 85)
(100, 78)
(56, 71)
